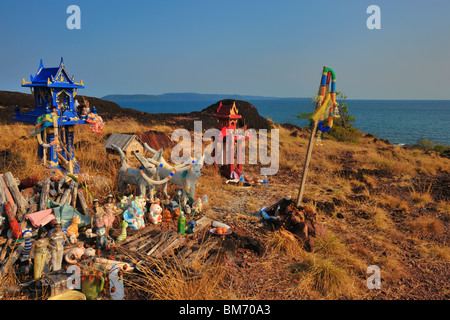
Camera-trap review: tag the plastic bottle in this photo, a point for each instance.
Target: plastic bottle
(265, 181)
(181, 223)
(217, 224)
(191, 226)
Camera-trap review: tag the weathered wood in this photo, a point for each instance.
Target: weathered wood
(19, 199)
(60, 184)
(175, 241)
(83, 203)
(10, 240)
(44, 194)
(3, 192)
(137, 236)
(199, 254)
(11, 260)
(67, 192)
(107, 264)
(202, 223)
(74, 196)
(306, 165)
(164, 236)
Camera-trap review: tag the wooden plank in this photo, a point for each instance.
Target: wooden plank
(199, 254)
(66, 193)
(202, 223)
(73, 203)
(3, 193)
(164, 236)
(44, 194)
(107, 264)
(19, 199)
(83, 203)
(60, 184)
(11, 260)
(10, 240)
(138, 235)
(173, 242)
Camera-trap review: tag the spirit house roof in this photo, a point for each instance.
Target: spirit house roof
(56, 77)
(227, 111)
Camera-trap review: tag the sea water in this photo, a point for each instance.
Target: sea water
(399, 121)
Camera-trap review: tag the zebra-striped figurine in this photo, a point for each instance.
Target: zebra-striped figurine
(26, 234)
(123, 234)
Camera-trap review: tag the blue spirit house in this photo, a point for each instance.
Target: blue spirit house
(54, 90)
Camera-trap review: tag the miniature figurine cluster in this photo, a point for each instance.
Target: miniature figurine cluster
(52, 239)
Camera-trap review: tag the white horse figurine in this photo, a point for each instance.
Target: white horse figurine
(184, 175)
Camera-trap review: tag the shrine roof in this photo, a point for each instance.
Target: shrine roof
(55, 77)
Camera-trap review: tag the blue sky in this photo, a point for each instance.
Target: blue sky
(268, 48)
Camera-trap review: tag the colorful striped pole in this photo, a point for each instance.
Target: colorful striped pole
(327, 73)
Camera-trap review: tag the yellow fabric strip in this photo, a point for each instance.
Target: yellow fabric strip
(318, 114)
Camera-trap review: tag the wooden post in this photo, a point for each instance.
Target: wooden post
(83, 203)
(67, 192)
(74, 195)
(306, 166)
(44, 150)
(44, 194)
(311, 143)
(20, 201)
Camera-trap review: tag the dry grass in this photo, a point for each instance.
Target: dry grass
(335, 268)
(439, 253)
(170, 279)
(424, 225)
(421, 198)
(394, 203)
(285, 243)
(443, 208)
(322, 279)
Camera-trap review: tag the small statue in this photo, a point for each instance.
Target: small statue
(74, 255)
(102, 240)
(97, 217)
(57, 239)
(198, 206)
(134, 217)
(155, 213)
(109, 213)
(72, 230)
(175, 214)
(166, 215)
(40, 251)
(26, 235)
(89, 233)
(123, 233)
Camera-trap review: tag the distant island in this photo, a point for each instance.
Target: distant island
(183, 96)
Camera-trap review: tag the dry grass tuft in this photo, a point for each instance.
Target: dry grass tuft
(421, 198)
(321, 276)
(443, 207)
(424, 225)
(439, 253)
(284, 242)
